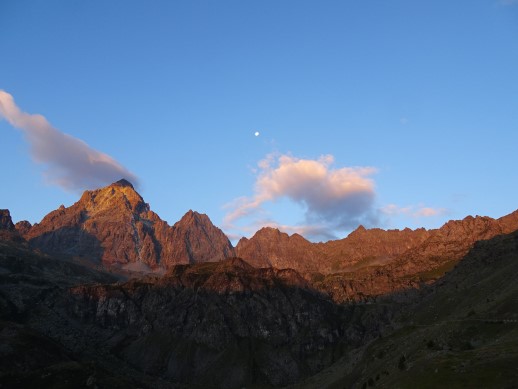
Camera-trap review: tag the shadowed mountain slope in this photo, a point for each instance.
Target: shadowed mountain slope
(8, 231)
(459, 332)
(404, 323)
(209, 325)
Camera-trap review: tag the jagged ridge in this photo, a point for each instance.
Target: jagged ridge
(114, 226)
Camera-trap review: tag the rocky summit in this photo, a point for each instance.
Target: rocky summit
(114, 227)
(6, 223)
(7, 228)
(270, 247)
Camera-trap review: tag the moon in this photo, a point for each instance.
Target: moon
(256, 133)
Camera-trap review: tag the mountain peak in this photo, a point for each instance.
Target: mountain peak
(192, 230)
(269, 232)
(6, 223)
(7, 229)
(193, 217)
(360, 231)
(123, 183)
(120, 195)
(115, 226)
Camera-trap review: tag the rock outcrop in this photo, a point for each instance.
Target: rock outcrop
(23, 227)
(196, 239)
(271, 248)
(221, 324)
(7, 229)
(216, 324)
(451, 242)
(6, 222)
(404, 251)
(367, 247)
(420, 265)
(113, 226)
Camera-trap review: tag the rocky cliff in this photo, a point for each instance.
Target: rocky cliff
(271, 248)
(114, 226)
(451, 242)
(420, 265)
(207, 325)
(7, 228)
(23, 227)
(367, 247)
(460, 331)
(221, 324)
(6, 222)
(404, 252)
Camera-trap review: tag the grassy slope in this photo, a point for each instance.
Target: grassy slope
(463, 333)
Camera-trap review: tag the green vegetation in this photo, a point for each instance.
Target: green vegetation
(461, 332)
(438, 272)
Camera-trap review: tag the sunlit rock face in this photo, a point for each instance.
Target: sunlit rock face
(373, 262)
(270, 247)
(23, 227)
(114, 226)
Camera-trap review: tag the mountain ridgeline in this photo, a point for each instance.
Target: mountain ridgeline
(113, 226)
(104, 293)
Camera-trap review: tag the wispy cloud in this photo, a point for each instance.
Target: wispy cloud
(508, 2)
(70, 162)
(333, 198)
(413, 211)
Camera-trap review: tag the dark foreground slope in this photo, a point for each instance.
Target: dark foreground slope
(462, 332)
(30, 285)
(216, 325)
(227, 324)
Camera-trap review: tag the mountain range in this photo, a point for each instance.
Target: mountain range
(106, 293)
(114, 228)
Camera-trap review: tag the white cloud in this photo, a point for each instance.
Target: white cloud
(413, 211)
(333, 198)
(70, 162)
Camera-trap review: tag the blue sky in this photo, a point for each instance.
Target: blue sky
(416, 102)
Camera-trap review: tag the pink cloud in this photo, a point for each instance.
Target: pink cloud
(333, 198)
(413, 211)
(70, 162)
